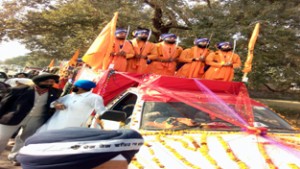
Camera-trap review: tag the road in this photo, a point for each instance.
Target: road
(4, 162)
(284, 104)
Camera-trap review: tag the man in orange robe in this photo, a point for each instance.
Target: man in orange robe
(143, 50)
(122, 50)
(222, 63)
(168, 53)
(194, 59)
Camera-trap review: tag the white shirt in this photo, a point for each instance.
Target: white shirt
(39, 104)
(79, 107)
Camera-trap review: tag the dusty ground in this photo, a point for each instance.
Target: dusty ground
(4, 162)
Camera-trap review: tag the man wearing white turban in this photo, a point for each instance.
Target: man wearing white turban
(26, 107)
(15, 82)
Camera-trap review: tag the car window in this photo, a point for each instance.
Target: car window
(126, 104)
(178, 115)
(160, 115)
(267, 118)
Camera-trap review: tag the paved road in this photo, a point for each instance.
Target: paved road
(294, 105)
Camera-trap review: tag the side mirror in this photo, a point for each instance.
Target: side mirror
(112, 119)
(114, 115)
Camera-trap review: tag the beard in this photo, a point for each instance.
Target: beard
(120, 38)
(75, 89)
(226, 49)
(142, 38)
(42, 86)
(201, 46)
(170, 42)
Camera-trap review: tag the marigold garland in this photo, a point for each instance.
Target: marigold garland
(154, 159)
(290, 142)
(205, 151)
(135, 163)
(189, 142)
(178, 155)
(230, 153)
(265, 155)
(293, 166)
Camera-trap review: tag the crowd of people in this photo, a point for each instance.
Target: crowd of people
(51, 100)
(39, 103)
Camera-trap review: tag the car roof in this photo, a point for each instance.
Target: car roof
(154, 87)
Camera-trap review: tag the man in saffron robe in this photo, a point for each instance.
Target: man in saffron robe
(194, 59)
(168, 53)
(143, 50)
(222, 63)
(122, 50)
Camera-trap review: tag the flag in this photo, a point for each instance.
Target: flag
(248, 62)
(73, 60)
(51, 64)
(97, 56)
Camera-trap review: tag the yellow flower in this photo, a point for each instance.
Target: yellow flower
(293, 166)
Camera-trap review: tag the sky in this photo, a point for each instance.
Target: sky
(11, 49)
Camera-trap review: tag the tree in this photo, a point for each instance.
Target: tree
(58, 28)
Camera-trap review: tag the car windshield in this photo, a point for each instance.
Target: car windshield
(180, 116)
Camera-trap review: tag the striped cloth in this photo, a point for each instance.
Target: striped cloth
(78, 148)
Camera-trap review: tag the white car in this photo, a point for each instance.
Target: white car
(191, 123)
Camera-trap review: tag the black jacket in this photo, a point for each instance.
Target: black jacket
(15, 106)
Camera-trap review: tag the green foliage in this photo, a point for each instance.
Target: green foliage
(56, 29)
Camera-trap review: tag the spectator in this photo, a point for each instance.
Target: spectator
(21, 75)
(27, 107)
(74, 110)
(17, 82)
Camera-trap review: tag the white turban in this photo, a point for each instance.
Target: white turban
(13, 81)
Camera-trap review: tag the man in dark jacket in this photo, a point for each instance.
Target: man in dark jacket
(26, 107)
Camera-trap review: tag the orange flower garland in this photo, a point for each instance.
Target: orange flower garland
(135, 163)
(230, 153)
(293, 166)
(267, 158)
(188, 142)
(177, 154)
(205, 151)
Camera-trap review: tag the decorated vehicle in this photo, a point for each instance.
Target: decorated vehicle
(192, 123)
